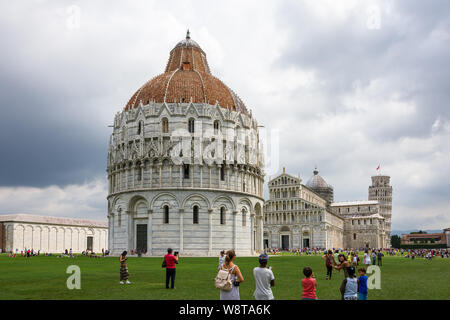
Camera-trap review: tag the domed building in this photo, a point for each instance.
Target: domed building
(185, 167)
(317, 184)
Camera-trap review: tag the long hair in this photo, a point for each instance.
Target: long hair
(229, 256)
(124, 254)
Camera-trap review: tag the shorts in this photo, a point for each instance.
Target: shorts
(362, 296)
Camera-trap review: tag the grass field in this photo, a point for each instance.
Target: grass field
(45, 278)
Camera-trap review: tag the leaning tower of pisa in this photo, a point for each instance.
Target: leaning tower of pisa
(381, 190)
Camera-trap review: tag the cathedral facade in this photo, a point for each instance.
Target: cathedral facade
(185, 169)
(298, 216)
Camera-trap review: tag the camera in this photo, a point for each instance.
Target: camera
(175, 253)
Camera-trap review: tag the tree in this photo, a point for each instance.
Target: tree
(395, 241)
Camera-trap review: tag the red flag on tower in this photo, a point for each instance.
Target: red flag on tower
(378, 168)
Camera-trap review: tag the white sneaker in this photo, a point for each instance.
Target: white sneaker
(121, 282)
(128, 282)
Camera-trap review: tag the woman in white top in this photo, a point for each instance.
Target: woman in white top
(236, 277)
(366, 258)
(349, 286)
(221, 258)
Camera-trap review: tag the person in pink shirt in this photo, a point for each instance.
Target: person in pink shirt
(169, 262)
(309, 285)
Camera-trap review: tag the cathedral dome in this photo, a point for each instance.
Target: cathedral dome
(316, 181)
(187, 77)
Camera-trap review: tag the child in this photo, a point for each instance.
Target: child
(362, 284)
(309, 285)
(349, 286)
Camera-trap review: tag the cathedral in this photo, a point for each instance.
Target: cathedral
(298, 216)
(185, 168)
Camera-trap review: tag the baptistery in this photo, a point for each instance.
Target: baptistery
(185, 167)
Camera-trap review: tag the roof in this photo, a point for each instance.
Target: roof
(353, 203)
(187, 78)
(362, 216)
(317, 182)
(31, 218)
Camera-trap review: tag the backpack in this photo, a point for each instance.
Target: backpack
(223, 280)
(328, 262)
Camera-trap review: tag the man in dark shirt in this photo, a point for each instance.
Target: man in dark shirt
(170, 261)
(380, 255)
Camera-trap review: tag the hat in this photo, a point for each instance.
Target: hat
(263, 258)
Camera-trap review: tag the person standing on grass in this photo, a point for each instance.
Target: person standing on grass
(309, 285)
(374, 257)
(366, 258)
(380, 255)
(362, 284)
(264, 279)
(236, 277)
(329, 262)
(344, 264)
(170, 261)
(349, 286)
(123, 268)
(221, 259)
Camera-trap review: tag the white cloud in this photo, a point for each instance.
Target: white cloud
(79, 201)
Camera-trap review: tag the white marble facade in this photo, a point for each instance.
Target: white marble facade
(222, 188)
(297, 217)
(51, 234)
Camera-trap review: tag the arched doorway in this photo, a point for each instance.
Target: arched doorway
(285, 238)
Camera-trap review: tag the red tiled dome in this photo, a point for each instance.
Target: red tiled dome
(187, 76)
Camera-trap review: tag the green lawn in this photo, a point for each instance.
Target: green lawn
(45, 278)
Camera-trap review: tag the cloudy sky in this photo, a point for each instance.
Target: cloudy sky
(348, 85)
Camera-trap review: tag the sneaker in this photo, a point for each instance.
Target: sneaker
(128, 282)
(121, 282)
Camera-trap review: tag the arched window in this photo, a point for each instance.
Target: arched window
(222, 215)
(354, 236)
(191, 127)
(186, 170)
(222, 172)
(195, 215)
(140, 127)
(165, 125)
(139, 171)
(216, 127)
(166, 214)
(244, 218)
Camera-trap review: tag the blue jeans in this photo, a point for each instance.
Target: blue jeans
(362, 296)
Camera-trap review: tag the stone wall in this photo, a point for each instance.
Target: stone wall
(52, 238)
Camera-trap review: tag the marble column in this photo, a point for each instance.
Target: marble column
(181, 214)
(210, 229)
(235, 212)
(130, 231)
(149, 232)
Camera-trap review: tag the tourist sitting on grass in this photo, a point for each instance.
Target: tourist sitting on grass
(123, 268)
(309, 285)
(264, 279)
(349, 286)
(362, 284)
